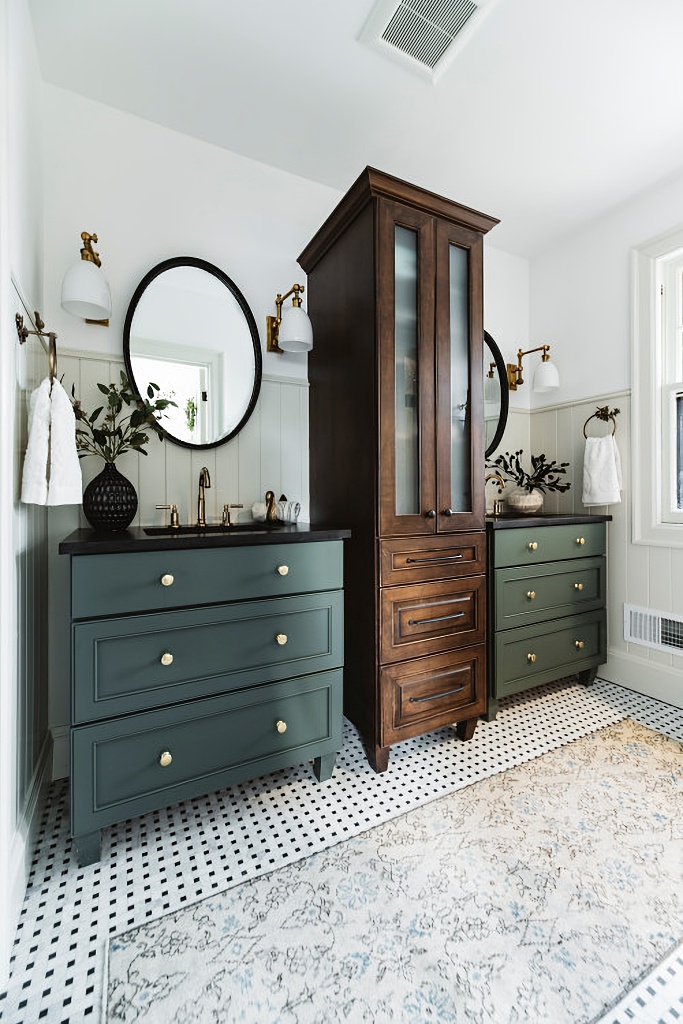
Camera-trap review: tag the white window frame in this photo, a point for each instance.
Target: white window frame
(656, 365)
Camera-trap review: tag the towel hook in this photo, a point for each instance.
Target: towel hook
(24, 332)
(604, 413)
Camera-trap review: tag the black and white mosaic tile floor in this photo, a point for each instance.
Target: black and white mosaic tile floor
(160, 862)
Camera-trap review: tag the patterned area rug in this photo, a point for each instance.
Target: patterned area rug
(540, 894)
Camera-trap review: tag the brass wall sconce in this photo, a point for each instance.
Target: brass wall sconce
(24, 332)
(85, 291)
(289, 331)
(546, 377)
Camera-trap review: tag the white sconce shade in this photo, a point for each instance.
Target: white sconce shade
(546, 377)
(295, 333)
(85, 292)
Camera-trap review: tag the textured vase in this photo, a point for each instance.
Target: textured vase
(522, 500)
(110, 501)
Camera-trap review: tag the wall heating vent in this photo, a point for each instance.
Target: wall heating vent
(423, 35)
(660, 630)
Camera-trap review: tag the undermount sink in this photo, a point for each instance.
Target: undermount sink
(172, 531)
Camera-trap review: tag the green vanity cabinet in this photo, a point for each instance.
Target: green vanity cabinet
(197, 663)
(547, 590)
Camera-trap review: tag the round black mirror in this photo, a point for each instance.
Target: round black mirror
(496, 394)
(189, 330)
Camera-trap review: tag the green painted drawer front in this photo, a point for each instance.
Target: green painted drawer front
(541, 653)
(531, 545)
(549, 591)
(118, 666)
(123, 583)
(213, 743)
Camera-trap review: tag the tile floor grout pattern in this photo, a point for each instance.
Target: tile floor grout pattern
(168, 859)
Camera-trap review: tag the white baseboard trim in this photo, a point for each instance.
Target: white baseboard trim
(662, 682)
(61, 758)
(21, 850)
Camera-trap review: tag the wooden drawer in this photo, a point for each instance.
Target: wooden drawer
(541, 653)
(432, 692)
(132, 582)
(548, 591)
(419, 559)
(528, 545)
(431, 617)
(213, 743)
(118, 666)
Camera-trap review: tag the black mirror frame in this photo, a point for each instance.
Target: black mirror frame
(193, 261)
(504, 393)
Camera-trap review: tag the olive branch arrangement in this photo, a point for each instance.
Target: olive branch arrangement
(116, 434)
(544, 475)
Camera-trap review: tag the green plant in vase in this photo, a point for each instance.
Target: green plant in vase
(121, 424)
(544, 475)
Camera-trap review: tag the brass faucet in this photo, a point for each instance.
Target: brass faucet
(204, 481)
(499, 480)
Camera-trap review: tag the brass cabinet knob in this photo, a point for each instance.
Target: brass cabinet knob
(533, 545)
(165, 759)
(167, 580)
(531, 594)
(281, 726)
(166, 658)
(283, 570)
(578, 586)
(282, 639)
(531, 657)
(579, 644)
(581, 541)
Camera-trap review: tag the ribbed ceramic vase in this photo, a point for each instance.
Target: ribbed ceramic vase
(522, 500)
(110, 501)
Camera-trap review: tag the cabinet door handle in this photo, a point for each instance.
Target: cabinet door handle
(579, 644)
(447, 512)
(281, 726)
(439, 560)
(435, 696)
(282, 639)
(430, 513)
(580, 541)
(531, 657)
(283, 570)
(439, 618)
(531, 594)
(167, 580)
(578, 586)
(166, 658)
(532, 545)
(165, 759)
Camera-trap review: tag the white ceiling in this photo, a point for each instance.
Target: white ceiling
(553, 112)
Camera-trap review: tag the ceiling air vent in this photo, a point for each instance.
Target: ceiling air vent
(660, 630)
(424, 35)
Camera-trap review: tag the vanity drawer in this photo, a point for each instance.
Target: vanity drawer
(213, 743)
(541, 653)
(550, 590)
(433, 617)
(432, 692)
(137, 662)
(116, 584)
(532, 544)
(419, 559)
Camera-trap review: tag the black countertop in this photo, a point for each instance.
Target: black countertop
(88, 542)
(514, 520)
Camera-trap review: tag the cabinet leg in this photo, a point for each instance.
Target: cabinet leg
(588, 676)
(88, 848)
(323, 766)
(492, 710)
(465, 730)
(378, 758)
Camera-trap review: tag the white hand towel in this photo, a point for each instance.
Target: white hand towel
(34, 476)
(601, 471)
(65, 485)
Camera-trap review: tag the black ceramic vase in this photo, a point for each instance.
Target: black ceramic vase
(110, 501)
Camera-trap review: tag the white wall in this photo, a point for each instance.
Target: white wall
(580, 299)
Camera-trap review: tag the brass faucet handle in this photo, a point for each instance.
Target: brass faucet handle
(175, 521)
(225, 519)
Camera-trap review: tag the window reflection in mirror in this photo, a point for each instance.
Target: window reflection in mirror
(190, 331)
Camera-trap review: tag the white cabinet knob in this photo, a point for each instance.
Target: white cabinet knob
(283, 570)
(165, 759)
(167, 580)
(282, 639)
(281, 726)
(166, 658)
